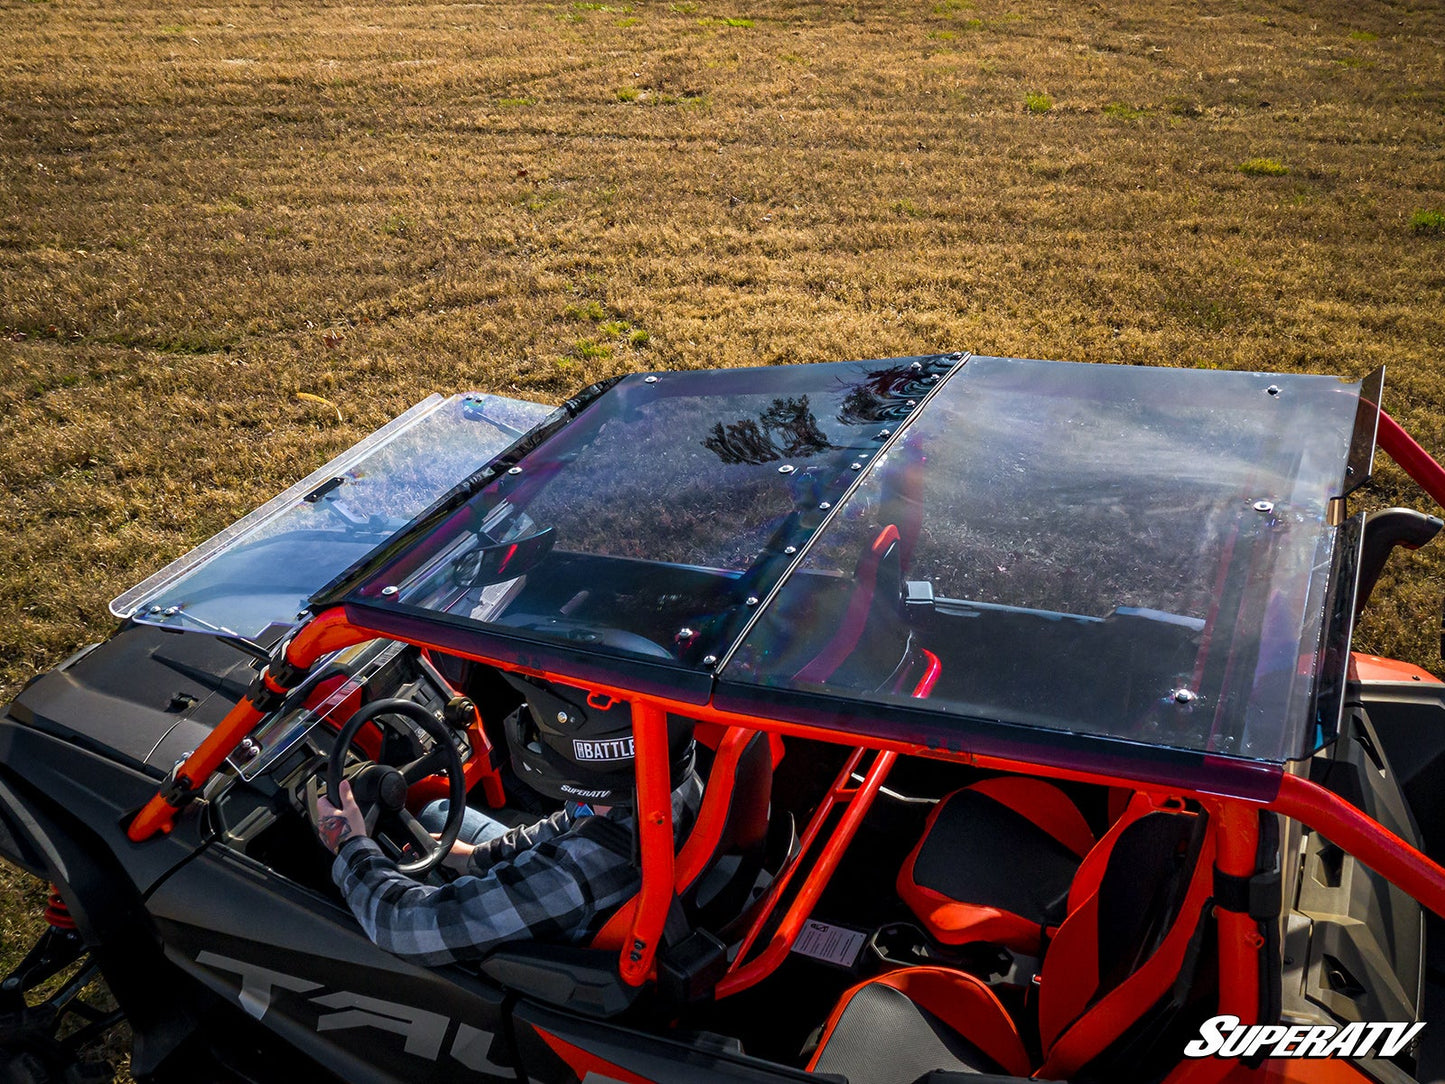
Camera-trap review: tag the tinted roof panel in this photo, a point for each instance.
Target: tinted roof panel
(1136, 553)
(643, 527)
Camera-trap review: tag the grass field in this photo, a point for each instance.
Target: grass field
(207, 213)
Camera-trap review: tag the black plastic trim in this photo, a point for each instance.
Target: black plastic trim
(1384, 530)
(580, 979)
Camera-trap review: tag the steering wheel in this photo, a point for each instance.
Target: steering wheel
(380, 789)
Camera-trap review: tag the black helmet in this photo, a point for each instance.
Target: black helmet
(566, 747)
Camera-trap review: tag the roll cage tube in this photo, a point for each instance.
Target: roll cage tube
(1411, 458)
(654, 825)
(331, 630)
(1300, 799)
(1297, 798)
(289, 666)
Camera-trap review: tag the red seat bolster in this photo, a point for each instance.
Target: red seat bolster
(1091, 869)
(954, 922)
(1074, 1032)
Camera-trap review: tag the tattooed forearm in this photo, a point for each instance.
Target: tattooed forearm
(334, 831)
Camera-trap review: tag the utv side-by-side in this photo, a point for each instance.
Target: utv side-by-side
(1032, 739)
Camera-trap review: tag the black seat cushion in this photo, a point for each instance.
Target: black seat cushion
(981, 851)
(884, 1038)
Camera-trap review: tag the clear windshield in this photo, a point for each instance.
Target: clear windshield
(1138, 553)
(260, 571)
(652, 524)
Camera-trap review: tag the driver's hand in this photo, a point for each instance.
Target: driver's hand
(459, 857)
(336, 825)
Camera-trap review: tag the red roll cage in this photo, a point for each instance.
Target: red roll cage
(1233, 818)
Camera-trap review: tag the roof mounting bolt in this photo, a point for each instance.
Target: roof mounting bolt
(685, 633)
(1273, 389)
(884, 433)
(790, 550)
(171, 611)
(155, 609)
(514, 470)
(390, 590)
(787, 468)
(1184, 696)
(825, 506)
(709, 660)
(856, 466)
(752, 600)
(563, 718)
(1264, 507)
(932, 377)
(911, 404)
(916, 366)
(649, 380)
(956, 355)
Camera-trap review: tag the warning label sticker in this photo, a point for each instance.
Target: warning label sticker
(832, 944)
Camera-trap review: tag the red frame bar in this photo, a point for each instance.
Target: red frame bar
(320, 636)
(931, 671)
(654, 822)
(837, 792)
(1236, 841)
(860, 800)
(1412, 459)
(1366, 839)
(1298, 798)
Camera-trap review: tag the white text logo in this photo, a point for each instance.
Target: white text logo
(615, 749)
(1224, 1037)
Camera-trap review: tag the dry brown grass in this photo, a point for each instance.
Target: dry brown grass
(206, 210)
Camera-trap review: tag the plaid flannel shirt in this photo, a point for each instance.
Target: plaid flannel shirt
(543, 882)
